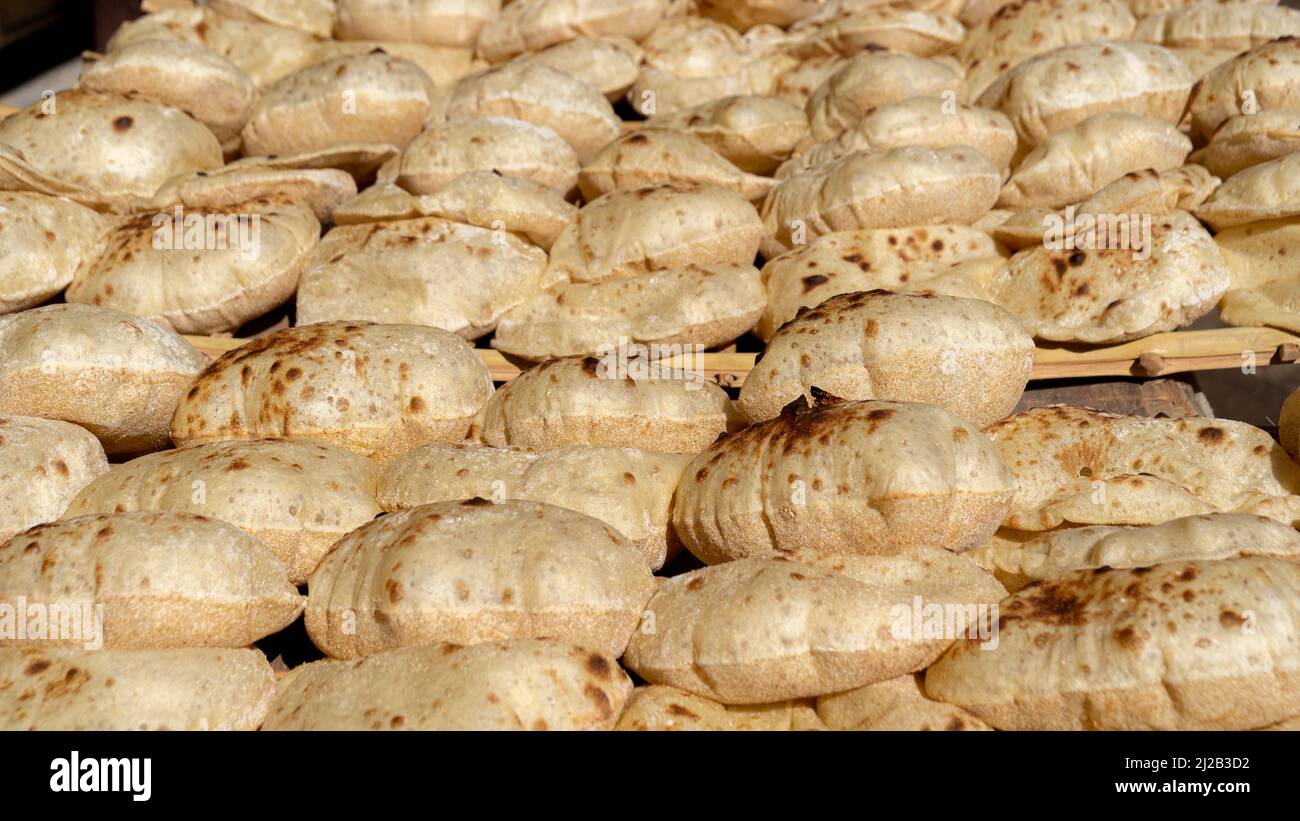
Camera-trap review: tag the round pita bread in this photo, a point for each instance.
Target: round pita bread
(297, 497)
(433, 22)
(653, 156)
(532, 25)
(1250, 139)
(407, 386)
(1201, 61)
(912, 185)
(424, 271)
(1052, 91)
(627, 233)
(365, 98)
(608, 64)
(874, 79)
(43, 464)
(628, 489)
(1210, 536)
(932, 122)
(692, 62)
(182, 75)
(162, 579)
(708, 306)
(1146, 278)
(1204, 645)
(965, 355)
(800, 82)
(1264, 289)
(604, 402)
(46, 240)
(1229, 26)
(542, 95)
(484, 199)
(1080, 466)
(320, 189)
(893, 259)
(316, 17)
(657, 707)
(198, 688)
(1020, 30)
(118, 376)
(897, 704)
(201, 272)
(471, 571)
(444, 65)
(905, 30)
(1268, 190)
(117, 147)
(767, 629)
(1076, 163)
(754, 133)
(1262, 79)
(524, 684)
(263, 51)
(508, 146)
(831, 479)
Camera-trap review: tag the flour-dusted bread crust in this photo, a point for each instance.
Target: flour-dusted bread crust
(119, 376)
(298, 497)
(403, 386)
(163, 579)
(843, 478)
(521, 684)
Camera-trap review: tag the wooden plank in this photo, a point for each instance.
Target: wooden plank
(1158, 355)
(1174, 398)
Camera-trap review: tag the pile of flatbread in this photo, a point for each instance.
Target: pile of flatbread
(894, 201)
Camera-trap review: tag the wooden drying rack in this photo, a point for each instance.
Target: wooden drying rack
(1157, 355)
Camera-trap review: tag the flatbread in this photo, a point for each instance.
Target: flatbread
(118, 376)
(161, 579)
(407, 386)
(472, 571)
(610, 401)
(52, 688)
(524, 684)
(1205, 645)
(1081, 466)
(628, 489)
(967, 356)
(43, 465)
(833, 479)
(768, 629)
(297, 497)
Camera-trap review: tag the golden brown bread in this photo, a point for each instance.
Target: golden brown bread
(585, 400)
(43, 465)
(843, 478)
(119, 376)
(630, 489)
(1206, 645)
(522, 684)
(767, 629)
(967, 356)
(1081, 466)
(472, 571)
(377, 390)
(297, 497)
(163, 580)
